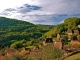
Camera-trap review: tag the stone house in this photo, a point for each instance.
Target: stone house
(76, 32)
(36, 47)
(49, 40)
(69, 48)
(78, 37)
(59, 36)
(75, 42)
(78, 26)
(27, 49)
(69, 32)
(58, 44)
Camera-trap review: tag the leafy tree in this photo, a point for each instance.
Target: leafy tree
(64, 40)
(74, 37)
(18, 44)
(18, 57)
(69, 23)
(13, 29)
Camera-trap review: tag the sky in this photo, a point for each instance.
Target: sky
(48, 12)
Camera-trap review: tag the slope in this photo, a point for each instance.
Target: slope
(12, 30)
(69, 23)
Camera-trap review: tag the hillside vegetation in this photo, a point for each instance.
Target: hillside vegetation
(13, 30)
(28, 40)
(68, 24)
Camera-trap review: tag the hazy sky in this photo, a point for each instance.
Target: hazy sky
(49, 12)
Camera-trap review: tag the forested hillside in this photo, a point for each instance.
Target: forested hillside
(68, 24)
(12, 30)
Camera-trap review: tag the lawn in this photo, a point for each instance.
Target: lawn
(73, 57)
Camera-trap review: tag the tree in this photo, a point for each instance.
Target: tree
(64, 40)
(69, 23)
(18, 44)
(74, 37)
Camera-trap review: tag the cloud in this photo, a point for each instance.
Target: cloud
(9, 10)
(61, 6)
(47, 19)
(27, 8)
(49, 12)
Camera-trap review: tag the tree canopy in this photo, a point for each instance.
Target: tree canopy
(13, 29)
(69, 23)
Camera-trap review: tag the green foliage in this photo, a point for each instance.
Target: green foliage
(30, 58)
(18, 44)
(64, 40)
(57, 29)
(70, 23)
(18, 57)
(30, 43)
(2, 52)
(74, 37)
(57, 53)
(50, 53)
(12, 29)
(78, 59)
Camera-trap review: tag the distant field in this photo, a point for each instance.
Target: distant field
(73, 57)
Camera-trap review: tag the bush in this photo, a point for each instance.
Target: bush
(17, 44)
(14, 57)
(24, 52)
(18, 57)
(30, 58)
(50, 53)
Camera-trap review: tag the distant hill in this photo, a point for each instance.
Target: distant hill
(16, 30)
(69, 23)
(6, 23)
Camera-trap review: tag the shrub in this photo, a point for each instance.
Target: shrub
(50, 53)
(30, 58)
(24, 52)
(18, 57)
(14, 57)
(17, 44)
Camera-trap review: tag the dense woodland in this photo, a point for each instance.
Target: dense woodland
(14, 32)
(68, 24)
(17, 32)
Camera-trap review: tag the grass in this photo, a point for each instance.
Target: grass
(73, 57)
(31, 47)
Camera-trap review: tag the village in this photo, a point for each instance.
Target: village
(69, 42)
